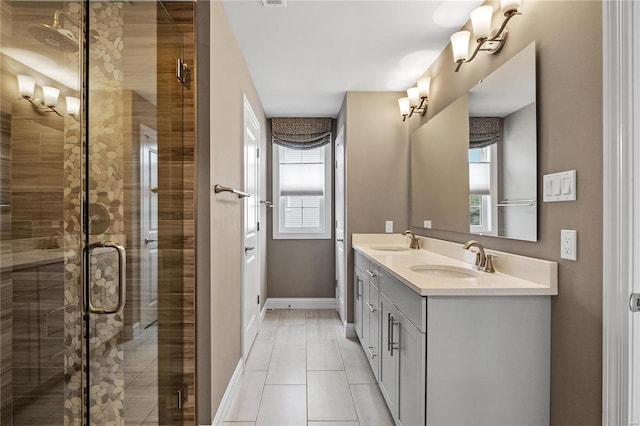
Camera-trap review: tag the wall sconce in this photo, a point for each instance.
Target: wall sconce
(416, 99)
(26, 87)
(481, 22)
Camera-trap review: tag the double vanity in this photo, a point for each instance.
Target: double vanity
(450, 344)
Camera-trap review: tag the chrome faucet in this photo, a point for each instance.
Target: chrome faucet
(481, 258)
(415, 243)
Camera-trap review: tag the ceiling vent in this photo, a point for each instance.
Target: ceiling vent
(274, 3)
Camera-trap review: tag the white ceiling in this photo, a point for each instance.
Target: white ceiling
(305, 56)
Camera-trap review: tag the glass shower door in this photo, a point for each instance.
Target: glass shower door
(41, 350)
(133, 206)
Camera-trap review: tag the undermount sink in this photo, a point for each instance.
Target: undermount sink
(390, 248)
(444, 271)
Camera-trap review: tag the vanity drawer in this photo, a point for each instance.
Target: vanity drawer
(374, 273)
(411, 304)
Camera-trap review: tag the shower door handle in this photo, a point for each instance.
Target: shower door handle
(122, 277)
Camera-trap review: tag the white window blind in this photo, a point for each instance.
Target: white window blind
(303, 192)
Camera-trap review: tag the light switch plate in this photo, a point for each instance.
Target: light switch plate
(427, 224)
(388, 227)
(569, 244)
(559, 186)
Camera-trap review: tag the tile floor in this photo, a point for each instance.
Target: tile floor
(303, 371)
(141, 378)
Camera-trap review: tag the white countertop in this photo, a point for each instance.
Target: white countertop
(398, 263)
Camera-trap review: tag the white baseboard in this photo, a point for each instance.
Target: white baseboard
(263, 312)
(300, 303)
(227, 398)
(350, 330)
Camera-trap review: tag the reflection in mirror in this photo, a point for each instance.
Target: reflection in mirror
(502, 151)
(474, 165)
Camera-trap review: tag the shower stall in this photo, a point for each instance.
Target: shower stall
(96, 212)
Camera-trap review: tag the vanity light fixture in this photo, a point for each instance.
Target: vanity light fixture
(416, 99)
(481, 22)
(26, 87)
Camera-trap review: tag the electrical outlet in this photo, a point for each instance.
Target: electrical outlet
(427, 224)
(569, 244)
(388, 227)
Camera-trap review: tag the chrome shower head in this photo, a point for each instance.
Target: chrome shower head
(58, 38)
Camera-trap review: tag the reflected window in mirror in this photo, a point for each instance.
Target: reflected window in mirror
(482, 189)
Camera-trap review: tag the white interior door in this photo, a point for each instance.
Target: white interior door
(340, 249)
(251, 264)
(621, 212)
(148, 226)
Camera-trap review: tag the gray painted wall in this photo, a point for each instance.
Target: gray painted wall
(298, 268)
(569, 103)
(377, 169)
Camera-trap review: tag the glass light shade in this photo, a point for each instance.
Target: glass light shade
(73, 105)
(481, 22)
(50, 95)
(26, 85)
(460, 45)
(405, 106)
(414, 96)
(509, 5)
(479, 178)
(423, 84)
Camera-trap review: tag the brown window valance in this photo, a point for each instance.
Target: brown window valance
(301, 133)
(484, 131)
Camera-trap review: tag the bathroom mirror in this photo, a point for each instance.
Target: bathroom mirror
(474, 165)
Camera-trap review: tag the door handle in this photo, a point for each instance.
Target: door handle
(371, 308)
(148, 241)
(371, 274)
(392, 335)
(122, 277)
(389, 331)
(246, 249)
(340, 240)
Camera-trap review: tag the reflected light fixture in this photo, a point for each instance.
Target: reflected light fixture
(73, 106)
(416, 99)
(481, 18)
(26, 88)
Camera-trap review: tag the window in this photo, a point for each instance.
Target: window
(302, 192)
(480, 189)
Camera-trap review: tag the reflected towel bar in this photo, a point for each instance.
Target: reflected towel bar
(517, 203)
(267, 203)
(219, 188)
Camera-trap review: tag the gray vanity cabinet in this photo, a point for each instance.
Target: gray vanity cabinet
(483, 360)
(403, 352)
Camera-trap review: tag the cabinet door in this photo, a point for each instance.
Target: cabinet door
(357, 297)
(411, 372)
(365, 315)
(388, 359)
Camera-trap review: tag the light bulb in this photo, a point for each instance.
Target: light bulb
(73, 105)
(50, 95)
(26, 85)
(460, 45)
(414, 96)
(481, 22)
(405, 106)
(423, 85)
